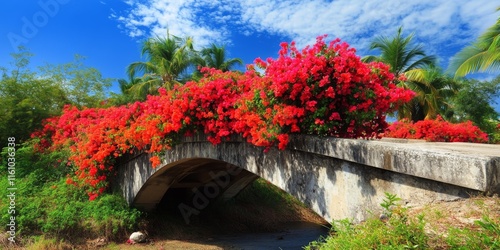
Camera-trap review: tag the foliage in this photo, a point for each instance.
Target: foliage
(434, 91)
(167, 59)
(487, 238)
(410, 61)
(126, 95)
(324, 90)
(47, 205)
(401, 231)
(472, 102)
(389, 202)
(398, 232)
(400, 54)
(214, 57)
(482, 55)
(437, 130)
(27, 97)
(83, 86)
(265, 193)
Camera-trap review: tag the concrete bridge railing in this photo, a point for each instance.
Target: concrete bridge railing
(337, 178)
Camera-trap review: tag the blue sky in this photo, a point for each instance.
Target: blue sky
(109, 33)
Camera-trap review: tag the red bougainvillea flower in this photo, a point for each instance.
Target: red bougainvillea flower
(437, 130)
(324, 89)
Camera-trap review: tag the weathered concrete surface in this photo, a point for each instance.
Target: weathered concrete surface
(470, 165)
(337, 178)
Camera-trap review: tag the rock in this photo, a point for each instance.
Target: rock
(136, 237)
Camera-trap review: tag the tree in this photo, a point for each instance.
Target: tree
(399, 53)
(410, 60)
(83, 86)
(27, 97)
(167, 59)
(472, 102)
(434, 90)
(125, 96)
(482, 55)
(215, 57)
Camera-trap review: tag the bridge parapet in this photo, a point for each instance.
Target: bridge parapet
(337, 178)
(470, 165)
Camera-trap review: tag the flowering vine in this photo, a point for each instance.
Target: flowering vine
(437, 130)
(324, 89)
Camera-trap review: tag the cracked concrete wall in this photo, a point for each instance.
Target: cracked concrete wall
(337, 178)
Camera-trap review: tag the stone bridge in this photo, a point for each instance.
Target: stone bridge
(336, 178)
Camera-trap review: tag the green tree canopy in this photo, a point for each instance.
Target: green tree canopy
(215, 57)
(400, 54)
(473, 102)
(166, 60)
(125, 96)
(27, 97)
(83, 86)
(434, 90)
(405, 58)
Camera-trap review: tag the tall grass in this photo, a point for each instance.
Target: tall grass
(398, 230)
(46, 205)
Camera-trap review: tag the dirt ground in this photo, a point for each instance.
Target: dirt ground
(462, 213)
(439, 217)
(247, 217)
(201, 236)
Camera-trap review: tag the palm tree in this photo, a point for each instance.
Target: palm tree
(125, 96)
(167, 59)
(412, 61)
(483, 55)
(215, 57)
(434, 90)
(400, 55)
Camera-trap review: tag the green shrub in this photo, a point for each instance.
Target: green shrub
(398, 232)
(47, 205)
(402, 232)
(487, 237)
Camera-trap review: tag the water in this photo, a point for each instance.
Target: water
(295, 235)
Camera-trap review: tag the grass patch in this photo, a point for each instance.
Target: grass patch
(46, 206)
(485, 236)
(42, 243)
(439, 226)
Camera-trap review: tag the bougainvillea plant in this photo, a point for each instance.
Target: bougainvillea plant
(437, 130)
(323, 89)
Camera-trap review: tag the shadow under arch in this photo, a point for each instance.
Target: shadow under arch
(199, 180)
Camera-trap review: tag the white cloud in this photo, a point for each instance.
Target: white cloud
(181, 18)
(435, 23)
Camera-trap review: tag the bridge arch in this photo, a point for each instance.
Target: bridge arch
(336, 178)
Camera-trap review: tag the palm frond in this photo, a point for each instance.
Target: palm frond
(369, 59)
(481, 56)
(472, 59)
(417, 75)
